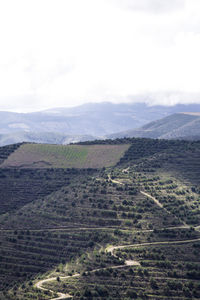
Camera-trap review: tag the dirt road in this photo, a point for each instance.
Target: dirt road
(110, 249)
(153, 198)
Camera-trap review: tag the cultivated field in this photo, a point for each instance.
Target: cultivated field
(69, 156)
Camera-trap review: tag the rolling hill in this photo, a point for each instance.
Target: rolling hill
(73, 232)
(42, 137)
(176, 126)
(85, 122)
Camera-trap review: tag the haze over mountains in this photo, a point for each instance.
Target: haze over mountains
(176, 126)
(91, 121)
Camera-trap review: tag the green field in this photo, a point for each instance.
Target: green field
(69, 156)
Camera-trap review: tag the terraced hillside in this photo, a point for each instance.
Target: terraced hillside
(21, 186)
(7, 150)
(161, 269)
(128, 231)
(70, 156)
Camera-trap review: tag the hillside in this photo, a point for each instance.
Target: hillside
(125, 231)
(85, 122)
(69, 156)
(42, 137)
(176, 126)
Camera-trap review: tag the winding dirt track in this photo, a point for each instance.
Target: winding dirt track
(114, 181)
(110, 249)
(153, 198)
(156, 201)
(60, 295)
(161, 206)
(67, 296)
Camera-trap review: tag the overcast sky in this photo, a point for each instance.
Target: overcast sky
(68, 52)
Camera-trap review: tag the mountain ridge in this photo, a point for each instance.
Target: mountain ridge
(179, 125)
(92, 120)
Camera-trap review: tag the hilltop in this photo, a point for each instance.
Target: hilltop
(85, 122)
(176, 126)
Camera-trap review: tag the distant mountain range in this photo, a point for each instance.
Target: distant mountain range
(86, 122)
(176, 126)
(42, 137)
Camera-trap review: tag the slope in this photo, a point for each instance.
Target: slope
(62, 125)
(68, 156)
(181, 125)
(140, 210)
(42, 137)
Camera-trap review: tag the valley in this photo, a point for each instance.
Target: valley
(104, 120)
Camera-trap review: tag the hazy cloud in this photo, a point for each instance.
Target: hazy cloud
(47, 75)
(153, 6)
(65, 53)
(167, 98)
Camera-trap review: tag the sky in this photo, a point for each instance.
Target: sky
(61, 53)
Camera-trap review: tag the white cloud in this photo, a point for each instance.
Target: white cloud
(63, 53)
(153, 6)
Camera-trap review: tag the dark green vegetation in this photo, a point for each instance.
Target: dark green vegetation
(21, 186)
(176, 126)
(129, 231)
(165, 270)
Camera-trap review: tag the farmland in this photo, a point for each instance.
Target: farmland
(125, 231)
(70, 156)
